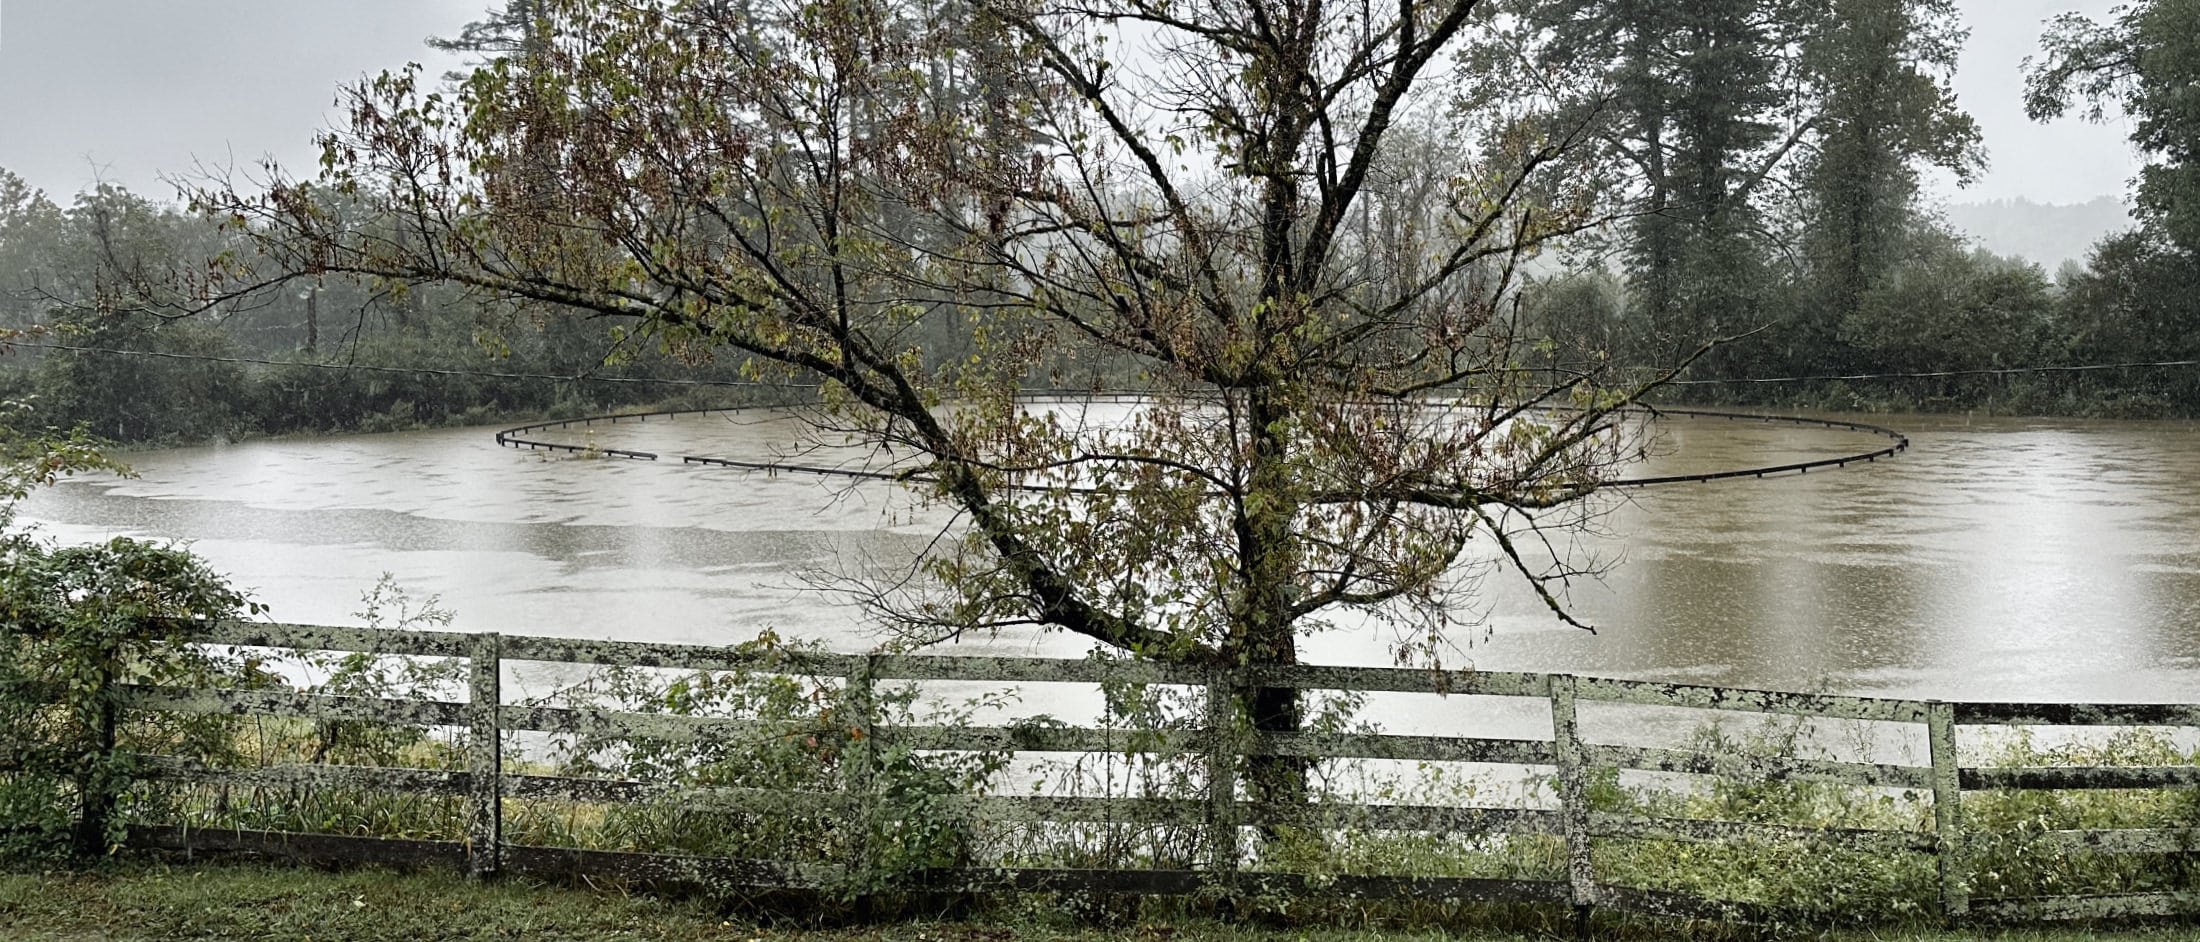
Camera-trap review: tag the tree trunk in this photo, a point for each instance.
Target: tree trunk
(1265, 633)
(313, 320)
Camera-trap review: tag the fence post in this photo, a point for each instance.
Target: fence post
(856, 768)
(485, 756)
(1222, 824)
(1573, 801)
(1955, 875)
(98, 784)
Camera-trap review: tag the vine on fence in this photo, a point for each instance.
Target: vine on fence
(76, 624)
(801, 734)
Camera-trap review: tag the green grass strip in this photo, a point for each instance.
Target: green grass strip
(145, 902)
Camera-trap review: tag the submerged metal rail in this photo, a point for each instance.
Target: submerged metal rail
(1901, 443)
(517, 437)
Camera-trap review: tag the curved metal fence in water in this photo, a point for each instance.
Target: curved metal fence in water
(522, 437)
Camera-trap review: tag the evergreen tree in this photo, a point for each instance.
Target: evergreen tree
(1697, 91)
(509, 30)
(1885, 108)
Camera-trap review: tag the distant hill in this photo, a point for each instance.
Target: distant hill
(2049, 234)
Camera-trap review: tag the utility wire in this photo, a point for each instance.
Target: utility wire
(414, 370)
(635, 380)
(1938, 374)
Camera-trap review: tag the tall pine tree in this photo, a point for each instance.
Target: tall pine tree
(1884, 111)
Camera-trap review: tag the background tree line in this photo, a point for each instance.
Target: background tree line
(1778, 149)
(1771, 155)
(91, 339)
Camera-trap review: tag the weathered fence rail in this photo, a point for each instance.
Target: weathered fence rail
(488, 784)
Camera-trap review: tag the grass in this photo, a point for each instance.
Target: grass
(143, 901)
(128, 903)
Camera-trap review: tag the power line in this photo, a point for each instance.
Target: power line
(372, 368)
(634, 380)
(1937, 374)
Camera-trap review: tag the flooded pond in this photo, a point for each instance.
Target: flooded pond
(1999, 558)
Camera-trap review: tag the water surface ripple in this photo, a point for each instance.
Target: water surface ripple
(1999, 558)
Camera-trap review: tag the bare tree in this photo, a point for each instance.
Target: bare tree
(1295, 225)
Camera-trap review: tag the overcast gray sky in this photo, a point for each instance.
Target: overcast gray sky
(130, 89)
(126, 90)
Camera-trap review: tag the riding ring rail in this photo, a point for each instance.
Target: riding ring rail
(512, 437)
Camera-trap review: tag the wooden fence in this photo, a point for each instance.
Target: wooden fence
(488, 783)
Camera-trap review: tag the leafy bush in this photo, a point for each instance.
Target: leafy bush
(784, 730)
(258, 741)
(76, 623)
(2010, 854)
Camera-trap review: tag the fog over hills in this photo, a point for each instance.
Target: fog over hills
(2047, 233)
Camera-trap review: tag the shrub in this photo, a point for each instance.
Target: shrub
(79, 622)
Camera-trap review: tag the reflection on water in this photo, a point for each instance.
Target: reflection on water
(1998, 559)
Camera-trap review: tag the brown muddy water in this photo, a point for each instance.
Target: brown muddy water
(1999, 558)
